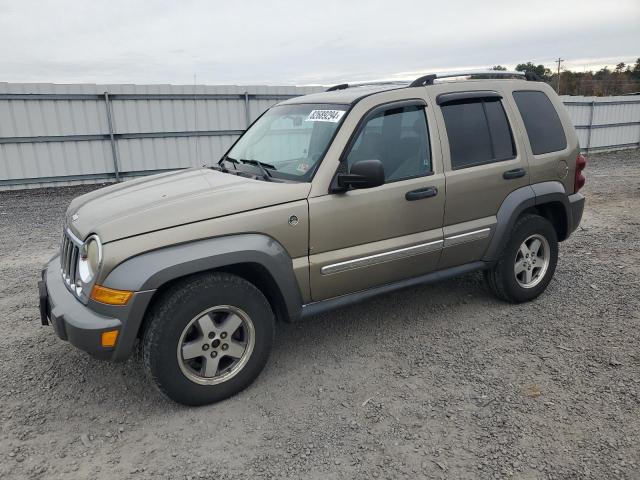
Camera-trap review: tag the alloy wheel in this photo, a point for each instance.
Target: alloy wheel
(532, 261)
(215, 345)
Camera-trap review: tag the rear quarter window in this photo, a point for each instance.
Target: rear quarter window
(541, 121)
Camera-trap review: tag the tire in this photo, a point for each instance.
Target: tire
(187, 326)
(502, 279)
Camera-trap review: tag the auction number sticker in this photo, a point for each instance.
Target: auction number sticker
(333, 116)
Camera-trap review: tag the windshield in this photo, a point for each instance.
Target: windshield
(290, 140)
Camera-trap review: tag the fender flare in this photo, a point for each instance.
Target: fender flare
(517, 202)
(151, 270)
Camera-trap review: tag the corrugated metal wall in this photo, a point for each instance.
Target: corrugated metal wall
(68, 134)
(605, 123)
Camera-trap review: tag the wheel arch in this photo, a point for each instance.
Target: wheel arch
(555, 213)
(262, 278)
(257, 258)
(547, 199)
(552, 203)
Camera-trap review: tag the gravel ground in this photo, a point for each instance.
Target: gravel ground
(440, 381)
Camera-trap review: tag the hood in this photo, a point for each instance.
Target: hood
(170, 199)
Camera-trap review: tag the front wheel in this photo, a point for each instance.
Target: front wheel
(527, 263)
(207, 338)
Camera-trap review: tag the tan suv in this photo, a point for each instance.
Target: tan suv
(326, 200)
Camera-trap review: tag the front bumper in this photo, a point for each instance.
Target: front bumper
(83, 325)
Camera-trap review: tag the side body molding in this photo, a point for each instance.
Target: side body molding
(517, 202)
(151, 270)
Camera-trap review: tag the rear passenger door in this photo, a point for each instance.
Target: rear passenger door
(482, 166)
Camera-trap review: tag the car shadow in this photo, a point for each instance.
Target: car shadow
(88, 382)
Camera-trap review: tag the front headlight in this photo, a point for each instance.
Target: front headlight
(90, 259)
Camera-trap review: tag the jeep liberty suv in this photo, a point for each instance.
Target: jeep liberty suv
(326, 200)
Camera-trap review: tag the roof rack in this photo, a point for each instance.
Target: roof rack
(371, 83)
(430, 78)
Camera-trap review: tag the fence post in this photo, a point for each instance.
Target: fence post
(247, 113)
(114, 150)
(593, 107)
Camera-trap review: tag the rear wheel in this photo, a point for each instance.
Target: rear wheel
(207, 338)
(528, 261)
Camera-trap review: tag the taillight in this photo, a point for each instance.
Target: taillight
(579, 179)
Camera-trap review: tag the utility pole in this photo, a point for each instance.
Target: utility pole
(559, 62)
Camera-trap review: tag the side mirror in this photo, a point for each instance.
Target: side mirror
(363, 174)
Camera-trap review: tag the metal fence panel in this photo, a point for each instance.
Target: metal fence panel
(605, 123)
(65, 134)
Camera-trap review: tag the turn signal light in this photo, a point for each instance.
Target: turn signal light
(110, 296)
(108, 338)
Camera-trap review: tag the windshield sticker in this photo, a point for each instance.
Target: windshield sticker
(303, 167)
(333, 116)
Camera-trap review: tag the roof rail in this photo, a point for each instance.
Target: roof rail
(430, 78)
(342, 86)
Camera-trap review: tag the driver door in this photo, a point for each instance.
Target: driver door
(369, 237)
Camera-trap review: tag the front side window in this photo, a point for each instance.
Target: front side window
(399, 138)
(290, 140)
(541, 121)
(478, 132)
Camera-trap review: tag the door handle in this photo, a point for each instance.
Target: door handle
(421, 193)
(515, 173)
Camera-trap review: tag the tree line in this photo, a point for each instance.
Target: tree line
(624, 79)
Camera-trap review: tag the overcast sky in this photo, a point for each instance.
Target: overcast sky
(299, 42)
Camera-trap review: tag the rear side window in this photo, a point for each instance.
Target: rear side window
(541, 122)
(478, 132)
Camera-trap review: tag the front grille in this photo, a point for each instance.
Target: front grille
(69, 259)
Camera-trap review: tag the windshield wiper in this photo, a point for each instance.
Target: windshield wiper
(266, 175)
(230, 160)
(220, 167)
(261, 165)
